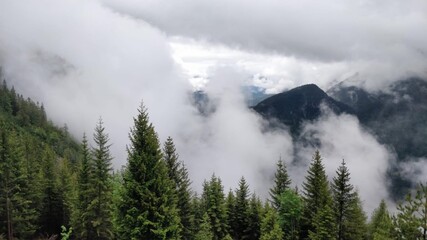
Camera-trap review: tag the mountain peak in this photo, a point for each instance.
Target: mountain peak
(299, 104)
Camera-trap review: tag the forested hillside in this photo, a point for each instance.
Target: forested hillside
(53, 188)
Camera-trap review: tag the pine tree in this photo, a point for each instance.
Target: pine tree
(411, 219)
(323, 224)
(255, 212)
(83, 226)
(290, 211)
(270, 227)
(17, 212)
(381, 225)
(356, 227)
(318, 201)
(230, 204)
(241, 219)
(99, 210)
(343, 194)
(205, 232)
(66, 190)
(214, 204)
(179, 175)
(148, 207)
(171, 159)
(281, 183)
(52, 209)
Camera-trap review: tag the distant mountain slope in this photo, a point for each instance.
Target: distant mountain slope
(299, 104)
(28, 119)
(398, 116)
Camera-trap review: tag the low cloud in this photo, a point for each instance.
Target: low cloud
(342, 137)
(84, 60)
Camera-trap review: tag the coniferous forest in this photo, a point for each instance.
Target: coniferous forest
(54, 188)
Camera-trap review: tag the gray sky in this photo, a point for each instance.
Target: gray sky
(84, 59)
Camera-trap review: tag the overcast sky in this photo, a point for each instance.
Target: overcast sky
(89, 58)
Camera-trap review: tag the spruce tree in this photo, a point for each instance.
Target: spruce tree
(82, 223)
(356, 227)
(99, 210)
(381, 225)
(230, 203)
(214, 204)
(52, 209)
(179, 175)
(17, 212)
(255, 212)
(241, 219)
(411, 219)
(343, 195)
(270, 226)
(281, 183)
(148, 207)
(290, 211)
(318, 201)
(205, 232)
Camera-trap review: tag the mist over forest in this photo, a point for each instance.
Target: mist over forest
(180, 102)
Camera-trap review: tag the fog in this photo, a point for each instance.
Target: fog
(86, 59)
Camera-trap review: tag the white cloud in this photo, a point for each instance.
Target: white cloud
(342, 137)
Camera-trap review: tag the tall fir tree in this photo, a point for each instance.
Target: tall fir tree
(270, 226)
(241, 220)
(255, 212)
(356, 226)
(318, 211)
(343, 195)
(52, 209)
(82, 222)
(148, 207)
(213, 203)
(282, 182)
(381, 225)
(178, 173)
(290, 211)
(205, 232)
(99, 210)
(230, 203)
(17, 212)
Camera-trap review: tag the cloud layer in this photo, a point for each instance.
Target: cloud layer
(84, 60)
(379, 39)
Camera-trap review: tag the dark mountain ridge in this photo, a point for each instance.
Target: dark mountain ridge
(397, 117)
(300, 104)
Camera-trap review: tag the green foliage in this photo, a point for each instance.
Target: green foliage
(99, 210)
(255, 212)
(148, 207)
(205, 232)
(349, 216)
(270, 226)
(179, 175)
(52, 208)
(318, 201)
(66, 234)
(356, 227)
(411, 219)
(213, 203)
(240, 227)
(281, 183)
(323, 224)
(290, 212)
(81, 220)
(381, 225)
(230, 204)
